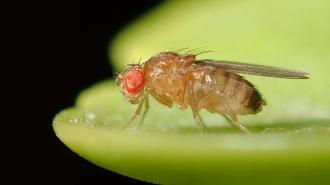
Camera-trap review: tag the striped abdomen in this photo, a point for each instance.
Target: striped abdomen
(229, 94)
(241, 92)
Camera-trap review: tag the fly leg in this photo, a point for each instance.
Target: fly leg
(201, 120)
(197, 119)
(202, 102)
(194, 107)
(145, 111)
(136, 114)
(234, 120)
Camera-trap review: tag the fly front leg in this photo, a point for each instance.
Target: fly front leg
(136, 114)
(145, 111)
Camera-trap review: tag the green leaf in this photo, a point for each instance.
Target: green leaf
(290, 144)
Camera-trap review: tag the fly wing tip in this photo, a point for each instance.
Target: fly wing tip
(304, 76)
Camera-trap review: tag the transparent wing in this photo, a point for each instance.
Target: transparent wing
(252, 69)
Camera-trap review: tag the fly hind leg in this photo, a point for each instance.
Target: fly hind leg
(234, 121)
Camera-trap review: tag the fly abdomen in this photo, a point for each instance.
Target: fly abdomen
(242, 93)
(235, 87)
(255, 101)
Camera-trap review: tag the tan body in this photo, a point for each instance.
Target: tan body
(199, 84)
(177, 79)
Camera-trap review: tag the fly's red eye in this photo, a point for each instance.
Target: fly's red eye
(134, 81)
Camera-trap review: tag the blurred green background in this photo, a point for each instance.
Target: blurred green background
(291, 140)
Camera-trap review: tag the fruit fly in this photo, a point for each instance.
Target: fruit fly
(171, 77)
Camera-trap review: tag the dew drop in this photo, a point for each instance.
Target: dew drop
(90, 115)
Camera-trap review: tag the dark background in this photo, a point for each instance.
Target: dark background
(79, 34)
